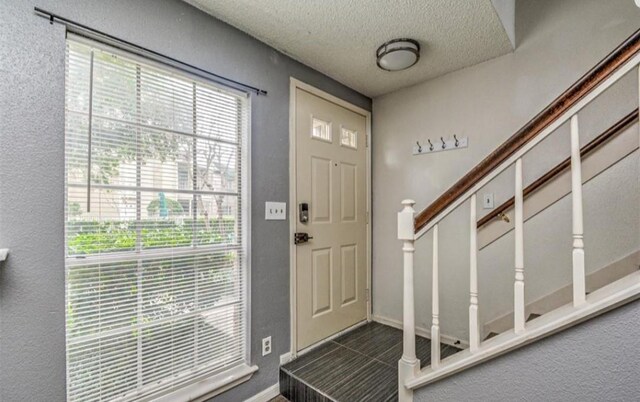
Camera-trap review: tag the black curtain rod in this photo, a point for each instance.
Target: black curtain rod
(65, 21)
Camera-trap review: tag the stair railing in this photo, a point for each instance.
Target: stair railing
(594, 145)
(412, 227)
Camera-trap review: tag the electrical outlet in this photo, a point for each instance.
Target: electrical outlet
(275, 211)
(487, 201)
(266, 346)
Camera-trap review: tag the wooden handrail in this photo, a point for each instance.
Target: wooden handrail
(594, 144)
(561, 104)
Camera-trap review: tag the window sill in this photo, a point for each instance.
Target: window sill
(211, 386)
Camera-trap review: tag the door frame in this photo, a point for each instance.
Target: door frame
(293, 202)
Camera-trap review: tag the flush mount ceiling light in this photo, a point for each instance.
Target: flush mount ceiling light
(398, 54)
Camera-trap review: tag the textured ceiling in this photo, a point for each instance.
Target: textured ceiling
(340, 37)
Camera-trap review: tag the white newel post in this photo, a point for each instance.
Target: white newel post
(435, 306)
(579, 288)
(474, 328)
(409, 365)
(518, 287)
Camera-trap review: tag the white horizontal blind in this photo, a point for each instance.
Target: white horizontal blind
(155, 272)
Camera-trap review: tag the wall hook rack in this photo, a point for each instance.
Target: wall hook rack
(446, 145)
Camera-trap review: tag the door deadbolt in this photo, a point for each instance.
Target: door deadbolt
(299, 238)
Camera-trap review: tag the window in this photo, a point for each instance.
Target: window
(321, 130)
(184, 183)
(154, 226)
(349, 138)
(184, 180)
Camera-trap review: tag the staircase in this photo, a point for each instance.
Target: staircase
(527, 327)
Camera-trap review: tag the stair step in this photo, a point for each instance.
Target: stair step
(532, 316)
(361, 365)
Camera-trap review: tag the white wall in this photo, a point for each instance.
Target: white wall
(558, 41)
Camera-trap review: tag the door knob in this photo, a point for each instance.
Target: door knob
(299, 238)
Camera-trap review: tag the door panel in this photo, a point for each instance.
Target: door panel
(321, 285)
(348, 184)
(320, 190)
(331, 268)
(348, 269)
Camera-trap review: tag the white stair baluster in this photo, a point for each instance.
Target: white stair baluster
(579, 295)
(474, 329)
(435, 306)
(409, 365)
(518, 287)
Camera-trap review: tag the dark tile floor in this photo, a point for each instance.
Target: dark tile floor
(361, 365)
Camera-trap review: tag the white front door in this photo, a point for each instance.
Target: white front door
(331, 267)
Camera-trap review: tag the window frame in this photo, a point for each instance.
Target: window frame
(208, 383)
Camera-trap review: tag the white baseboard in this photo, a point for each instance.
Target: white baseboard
(266, 395)
(423, 332)
(286, 358)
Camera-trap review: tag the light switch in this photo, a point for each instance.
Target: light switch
(487, 201)
(275, 211)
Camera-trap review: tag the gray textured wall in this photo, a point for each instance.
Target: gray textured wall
(598, 360)
(32, 355)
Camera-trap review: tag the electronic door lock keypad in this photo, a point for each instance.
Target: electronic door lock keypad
(303, 211)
